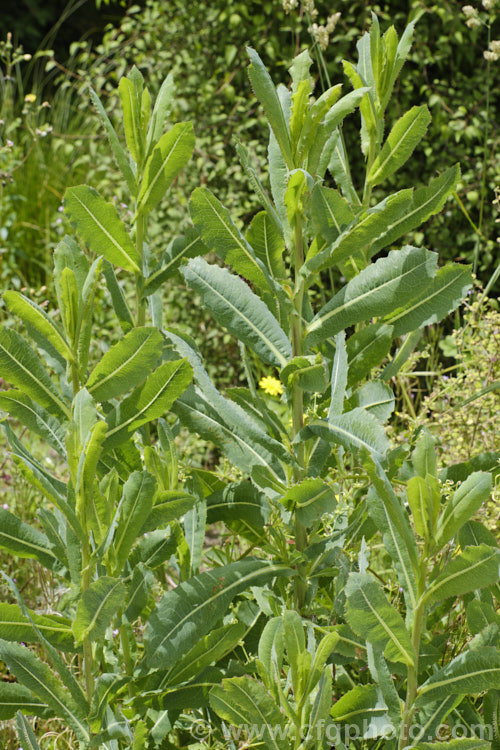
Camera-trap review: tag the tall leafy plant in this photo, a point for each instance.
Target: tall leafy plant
(272, 298)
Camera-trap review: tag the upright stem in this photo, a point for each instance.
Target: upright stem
(298, 401)
(86, 578)
(412, 681)
(139, 241)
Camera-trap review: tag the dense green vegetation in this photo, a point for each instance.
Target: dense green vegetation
(249, 376)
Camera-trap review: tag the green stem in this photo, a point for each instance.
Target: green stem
(88, 666)
(127, 657)
(412, 681)
(298, 402)
(139, 241)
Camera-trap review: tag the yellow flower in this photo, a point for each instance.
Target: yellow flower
(271, 385)
(30, 98)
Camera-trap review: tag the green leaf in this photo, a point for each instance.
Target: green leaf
(96, 608)
(220, 235)
(169, 506)
(100, 227)
(24, 541)
(268, 243)
(224, 424)
(240, 506)
(309, 372)
(435, 301)
(181, 248)
(400, 56)
(387, 511)
(366, 349)
(131, 100)
(37, 677)
(169, 156)
(33, 315)
(34, 417)
(138, 494)
(25, 733)
(375, 397)
(189, 611)
(421, 503)
(464, 502)
(370, 225)
(244, 702)
(117, 298)
(363, 707)
(330, 213)
(126, 364)
(15, 697)
(21, 367)
(148, 401)
(310, 500)
(239, 310)
(339, 377)
(14, 626)
(116, 147)
(354, 430)
(426, 202)
(474, 568)
(370, 615)
(265, 92)
(377, 290)
(400, 144)
(474, 671)
(139, 591)
(160, 111)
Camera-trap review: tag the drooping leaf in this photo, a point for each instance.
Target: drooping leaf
(100, 227)
(426, 202)
(447, 290)
(474, 568)
(238, 309)
(21, 367)
(377, 290)
(15, 697)
(25, 541)
(35, 316)
(126, 364)
(37, 677)
(188, 612)
(370, 225)
(14, 626)
(355, 430)
(474, 671)
(34, 417)
(169, 156)
(148, 401)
